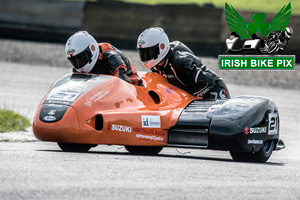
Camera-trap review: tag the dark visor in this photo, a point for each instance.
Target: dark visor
(149, 53)
(81, 59)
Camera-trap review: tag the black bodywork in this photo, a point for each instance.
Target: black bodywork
(240, 124)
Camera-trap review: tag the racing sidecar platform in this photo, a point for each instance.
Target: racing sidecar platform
(81, 111)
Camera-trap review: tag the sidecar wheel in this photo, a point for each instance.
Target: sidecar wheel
(261, 156)
(74, 147)
(144, 150)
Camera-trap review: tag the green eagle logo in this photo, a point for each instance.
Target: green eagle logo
(236, 23)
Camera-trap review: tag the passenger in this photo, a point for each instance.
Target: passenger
(179, 65)
(87, 56)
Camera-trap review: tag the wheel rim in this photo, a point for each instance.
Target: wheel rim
(268, 146)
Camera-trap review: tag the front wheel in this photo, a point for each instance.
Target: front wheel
(261, 156)
(144, 150)
(75, 147)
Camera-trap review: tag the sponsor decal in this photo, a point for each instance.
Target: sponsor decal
(255, 130)
(68, 103)
(63, 96)
(169, 76)
(109, 127)
(119, 128)
(95, 98)
(246, 130)
(93, 47)
(255, 141)
(203, 92)
(258, 130)
(51, 112)
(71, 86)
(49, 118)
(101, 96)
(223, 94)
(149, 131)
(141, 42)
(150, 121)
(273, 124)
(70, 51)
(88, 103)
(149, 137)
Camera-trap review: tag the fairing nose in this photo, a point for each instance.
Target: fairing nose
(56, 123)
(52, 113)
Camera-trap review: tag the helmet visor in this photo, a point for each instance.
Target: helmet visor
(80, 60)
(149, 53)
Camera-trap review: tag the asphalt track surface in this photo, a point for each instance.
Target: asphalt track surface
(39, 170)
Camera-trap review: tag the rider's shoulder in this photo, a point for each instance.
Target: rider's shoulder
(179, 46)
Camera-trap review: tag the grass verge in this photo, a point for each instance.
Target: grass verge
(271, 6)
(12, 121)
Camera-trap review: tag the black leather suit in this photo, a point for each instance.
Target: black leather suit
(186, 71)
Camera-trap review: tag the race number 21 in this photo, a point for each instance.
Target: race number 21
(273, 124)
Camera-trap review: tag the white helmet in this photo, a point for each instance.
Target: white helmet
(153, 45)
(288, 32)
(82, 51)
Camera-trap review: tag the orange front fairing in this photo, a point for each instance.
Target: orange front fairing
(108, 110)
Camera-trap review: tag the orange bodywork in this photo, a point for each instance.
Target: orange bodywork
(116, 112)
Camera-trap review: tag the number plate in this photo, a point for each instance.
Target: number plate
(273, 124)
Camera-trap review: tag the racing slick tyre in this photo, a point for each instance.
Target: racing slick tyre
(261, 156)
(75, 147)
(144, 150)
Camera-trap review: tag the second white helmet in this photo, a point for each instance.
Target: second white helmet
(288, 32)
(82, 51)
(153, 45)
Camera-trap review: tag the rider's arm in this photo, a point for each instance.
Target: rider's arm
(195, 71)
(117, 66)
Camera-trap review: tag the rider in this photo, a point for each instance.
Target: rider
(87, 56)
(277, 41)
(179, 65)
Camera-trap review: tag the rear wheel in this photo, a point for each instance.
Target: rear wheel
(75, 147)
(261, 156)
(144, 150)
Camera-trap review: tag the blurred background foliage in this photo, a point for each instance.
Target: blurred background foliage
(272, 6)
